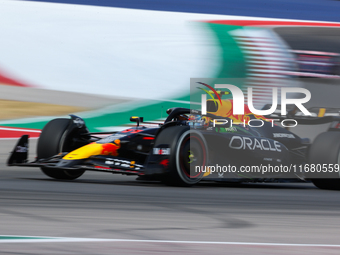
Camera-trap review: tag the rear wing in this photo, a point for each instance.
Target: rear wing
(320, 115)
(293, 111)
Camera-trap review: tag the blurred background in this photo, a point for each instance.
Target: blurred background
(105, 63)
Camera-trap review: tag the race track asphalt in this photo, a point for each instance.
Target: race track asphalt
(100, 205)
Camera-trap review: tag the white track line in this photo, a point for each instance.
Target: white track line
(63, 239)
(20, 130)
(16, 138)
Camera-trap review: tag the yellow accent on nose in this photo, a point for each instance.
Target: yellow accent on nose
(85, 151)
(322, 112)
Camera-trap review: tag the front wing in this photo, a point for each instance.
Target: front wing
(19, 157)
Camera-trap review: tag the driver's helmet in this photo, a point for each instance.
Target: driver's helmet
(195, 121)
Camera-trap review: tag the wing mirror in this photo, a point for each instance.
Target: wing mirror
(136, 119)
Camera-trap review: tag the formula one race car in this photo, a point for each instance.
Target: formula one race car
(187, 148)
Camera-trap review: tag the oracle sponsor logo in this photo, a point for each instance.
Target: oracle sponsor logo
(247, 143)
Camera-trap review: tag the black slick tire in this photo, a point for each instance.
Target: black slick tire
(53, 140)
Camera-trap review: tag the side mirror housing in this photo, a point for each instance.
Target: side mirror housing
(136, 119)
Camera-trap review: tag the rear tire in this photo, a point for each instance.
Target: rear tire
(325, 150)
(53, 140)
(187, 150)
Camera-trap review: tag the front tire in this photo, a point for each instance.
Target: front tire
(53, 140)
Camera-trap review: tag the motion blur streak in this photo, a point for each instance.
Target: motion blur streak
(288, 9)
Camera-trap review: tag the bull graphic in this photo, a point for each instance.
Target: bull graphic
(111, 148)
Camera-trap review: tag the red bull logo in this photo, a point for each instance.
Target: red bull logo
(228, 110)
(94, 149)
(111, 148)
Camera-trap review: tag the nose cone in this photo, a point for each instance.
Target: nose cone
(94, 149)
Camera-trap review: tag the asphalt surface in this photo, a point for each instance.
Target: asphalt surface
(100, 205)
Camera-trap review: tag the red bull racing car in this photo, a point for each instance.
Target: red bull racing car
(187, 148)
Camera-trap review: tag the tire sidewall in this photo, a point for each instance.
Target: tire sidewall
(189, 180)
(53, 140)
